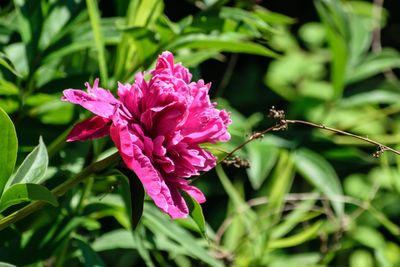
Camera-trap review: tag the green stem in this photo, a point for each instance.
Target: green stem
(60, 190)
(94, 15)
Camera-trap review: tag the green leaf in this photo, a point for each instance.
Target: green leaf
(194, 58)
(336, 24)
(370, 97)
(272, 17)
(238, 202)
(116, 239)
(19, 193)
(6, 62)
(238, 14)
(225, 42)
(369, 237)
(293, 218)
(320, 173)
(262, 157)
(361, 258)
(374, 64)
(90, 257)
(196, 213)
(281, 183)
(8, 148)
(139, 236)
(133, 196)
(158, 222)
(297, 239)
(33, 168)
(5, 264)
(94, 15)
(30, 18)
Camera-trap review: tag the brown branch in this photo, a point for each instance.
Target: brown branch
(282, 124)
(381, 147)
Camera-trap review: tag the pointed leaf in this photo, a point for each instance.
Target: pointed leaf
(262, 157)
(19, 193)
(8, 148)
(34, 166)
(297, 239)
(6, 62)
(90, 257)
(133, 196)
(195, 212)
(320, 173)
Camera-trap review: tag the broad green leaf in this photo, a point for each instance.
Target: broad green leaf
(196, 213)
(17, 54)
(5, 264)
(262, 157)
(19, 193)
(90, 257)
(6, 62)
(34, 166)
(297, 239)
(373, 64)
(320, 173)
(8, 148)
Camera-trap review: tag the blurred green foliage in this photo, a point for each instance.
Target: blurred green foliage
(310, 198)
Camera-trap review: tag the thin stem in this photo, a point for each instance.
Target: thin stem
(60, 190)
(252, 137)
(366, 139)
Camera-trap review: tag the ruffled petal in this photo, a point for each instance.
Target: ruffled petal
(92, 128)
(99, 101)
(165, 196)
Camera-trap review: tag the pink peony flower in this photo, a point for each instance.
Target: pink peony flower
(157, 127)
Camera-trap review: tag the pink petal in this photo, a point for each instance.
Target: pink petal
(191, 190)
(92, 128)
(99, 101)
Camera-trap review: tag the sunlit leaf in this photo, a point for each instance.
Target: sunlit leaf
(195, 212)
(320, 173)
(297, 239)
(19, 193)
(34, 166)
(8, 148)
(262, 157)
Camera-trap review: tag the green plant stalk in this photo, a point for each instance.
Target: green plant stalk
(60, 190)
(94, 15)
